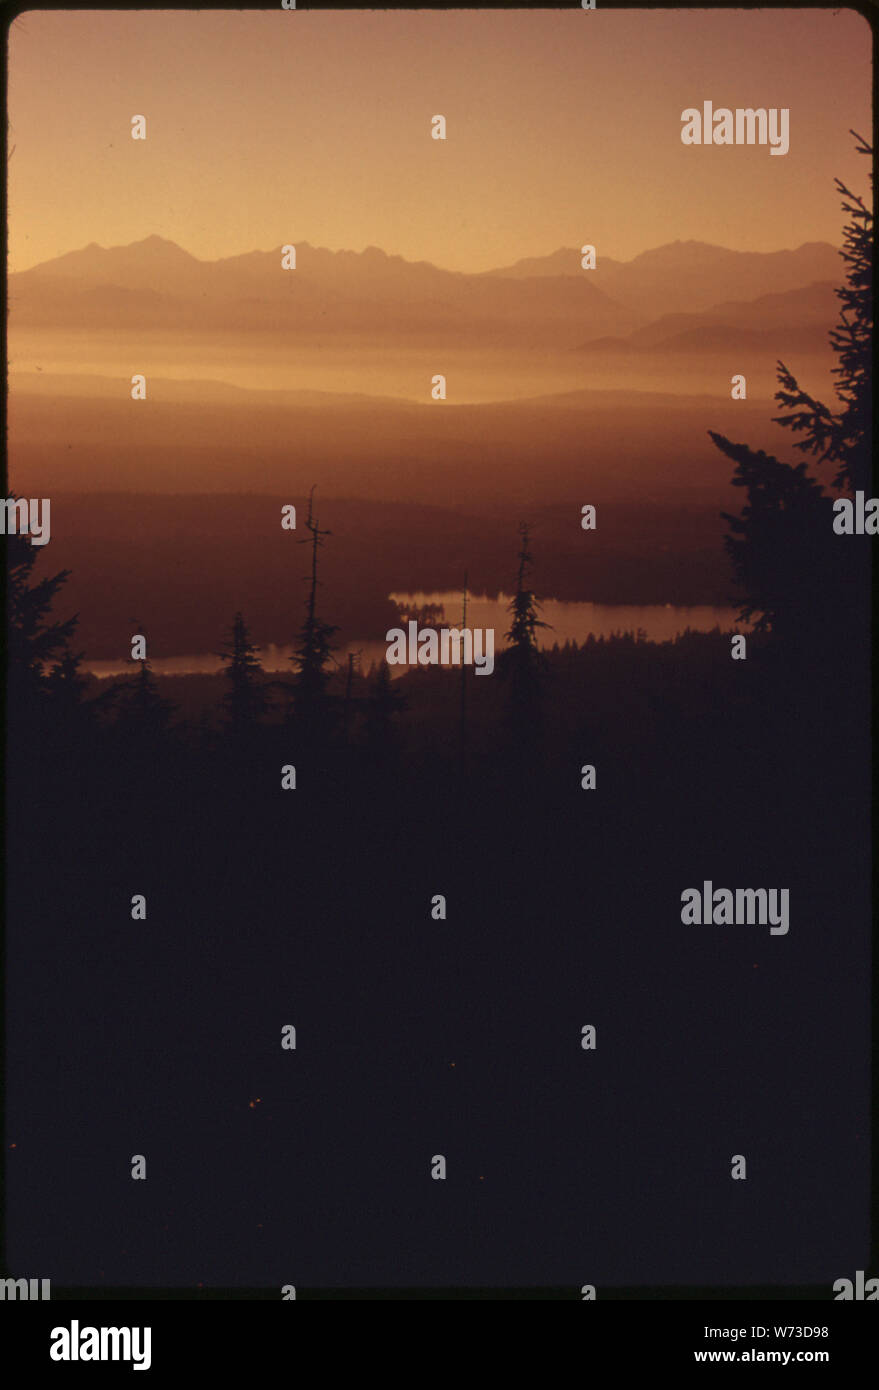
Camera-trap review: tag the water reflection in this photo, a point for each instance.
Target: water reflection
(568, 622)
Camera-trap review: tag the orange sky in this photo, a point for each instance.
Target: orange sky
(563, 127)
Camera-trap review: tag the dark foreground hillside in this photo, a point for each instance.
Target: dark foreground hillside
(417, 1037)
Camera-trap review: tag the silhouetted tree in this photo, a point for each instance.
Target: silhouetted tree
(522, 663)
(142, 713)
(353, 667)
(314, 652)
(382, 704)
(33, 641)
(71, 712)
(245, 700)
(794, 575)
(782, 544)
(843, 437)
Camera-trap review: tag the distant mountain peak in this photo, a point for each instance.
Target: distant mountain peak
(157, 243)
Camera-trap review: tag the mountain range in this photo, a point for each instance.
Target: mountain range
(546, 302)
(689, 276)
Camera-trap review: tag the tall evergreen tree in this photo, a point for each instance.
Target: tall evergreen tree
(522, 663)
(66, 687)
(353, 668)
(843, 436)
(794, 576)
(142, 713)
(245, 700)
(382, 704)
(33, 640)
(782, 545)
(314, 651)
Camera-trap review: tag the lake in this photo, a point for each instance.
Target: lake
(567, 622)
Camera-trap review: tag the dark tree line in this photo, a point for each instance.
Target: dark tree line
(795, 576)
(46, 683)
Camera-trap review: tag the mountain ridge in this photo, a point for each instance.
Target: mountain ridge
(157, 242)
(154, 284)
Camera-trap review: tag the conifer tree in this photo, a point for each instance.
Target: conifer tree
(144, 711)
(141, 713)
(314, 651)
(522, 663)
(383, 702)
(66, 687)
(33, 641)
(793, 575)
(353, 668)
(245, 700)
(781, 545)
(843, 436)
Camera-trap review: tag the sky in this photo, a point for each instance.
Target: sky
(563, 127)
